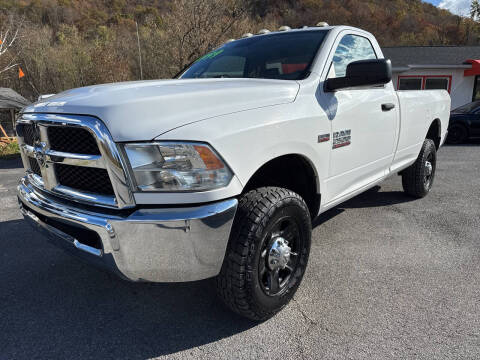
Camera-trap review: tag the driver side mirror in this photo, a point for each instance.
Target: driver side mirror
(362, 73)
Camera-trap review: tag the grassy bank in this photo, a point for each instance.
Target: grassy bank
(8, 151)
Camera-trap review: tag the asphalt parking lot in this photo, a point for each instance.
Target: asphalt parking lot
(389, 277)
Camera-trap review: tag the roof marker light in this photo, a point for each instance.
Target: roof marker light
(263, 31)
(322, 24)
(284, 28)
(247, 35)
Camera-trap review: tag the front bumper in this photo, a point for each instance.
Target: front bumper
(154, 244)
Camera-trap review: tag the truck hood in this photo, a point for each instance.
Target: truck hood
(142, 110)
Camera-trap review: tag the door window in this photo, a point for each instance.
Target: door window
(351, 48)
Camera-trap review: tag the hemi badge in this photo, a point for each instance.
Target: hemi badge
(323, 138)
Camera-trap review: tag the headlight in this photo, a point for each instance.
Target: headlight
(174, 166)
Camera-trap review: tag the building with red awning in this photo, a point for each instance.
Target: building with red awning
(453, 68)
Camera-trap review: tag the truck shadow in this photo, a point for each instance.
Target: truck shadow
(370, 198)
(53, 306)
(375, 198)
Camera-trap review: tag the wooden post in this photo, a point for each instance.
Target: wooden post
(6, 138)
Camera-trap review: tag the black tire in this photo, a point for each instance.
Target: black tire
(417, 180)
(457, 134)
(247, 284)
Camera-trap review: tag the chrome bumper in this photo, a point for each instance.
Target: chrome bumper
(159, 245)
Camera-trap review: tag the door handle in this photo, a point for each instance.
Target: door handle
(388, 107)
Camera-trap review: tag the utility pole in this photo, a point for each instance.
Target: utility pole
(139, 53)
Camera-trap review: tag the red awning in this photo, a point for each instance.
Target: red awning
(475, 70)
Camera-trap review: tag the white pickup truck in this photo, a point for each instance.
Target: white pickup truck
(219, 173)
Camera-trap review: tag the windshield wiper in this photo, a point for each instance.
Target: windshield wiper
(184, 68)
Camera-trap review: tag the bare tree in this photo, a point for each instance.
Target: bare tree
(196, 26)
(9, 35)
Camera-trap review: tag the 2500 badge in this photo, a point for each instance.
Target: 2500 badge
(342, 138)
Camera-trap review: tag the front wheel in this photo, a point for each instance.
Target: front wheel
(417, 180)
(267, 252)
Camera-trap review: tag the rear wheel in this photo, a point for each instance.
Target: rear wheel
(457, 134)
(417, 180)
(267, 253)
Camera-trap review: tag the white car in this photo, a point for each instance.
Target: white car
(219, 173)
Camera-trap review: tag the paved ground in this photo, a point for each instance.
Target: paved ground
(388, 278)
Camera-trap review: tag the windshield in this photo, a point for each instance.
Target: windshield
(468, 108)
(285, 56)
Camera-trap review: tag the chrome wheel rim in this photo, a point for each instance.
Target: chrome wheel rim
(279, 256)
(429, 171)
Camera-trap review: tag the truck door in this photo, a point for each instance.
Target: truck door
(363, 125)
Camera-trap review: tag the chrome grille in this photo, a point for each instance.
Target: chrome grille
(27, 131)
(73, 157)
(72, 140)
(84, 178)
(34, 166)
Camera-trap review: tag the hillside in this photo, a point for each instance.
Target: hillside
(69, 43)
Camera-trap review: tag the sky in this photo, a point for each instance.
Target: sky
(460, 7)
